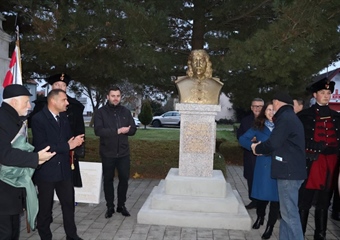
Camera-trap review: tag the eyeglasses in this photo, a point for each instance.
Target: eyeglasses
(257, 106)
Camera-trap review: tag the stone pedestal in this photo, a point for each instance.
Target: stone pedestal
(197, 139)
(195, 195)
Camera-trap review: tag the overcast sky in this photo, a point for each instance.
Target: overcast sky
(331, 67)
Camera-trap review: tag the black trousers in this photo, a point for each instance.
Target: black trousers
(335, 193)
(65, 192)
(308, 196)
(250, 165)
(274, 209)
(123, 168)
(9, 227)
(250, 187)
(77, 181)
(336, 200)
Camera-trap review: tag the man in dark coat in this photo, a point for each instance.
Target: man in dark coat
(113, 123)
(75, 116)
(321, 125)
(51, 127)
(286, 144)
(12, 200)
(249, 158)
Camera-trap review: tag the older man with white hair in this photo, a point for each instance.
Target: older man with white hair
(13, 110)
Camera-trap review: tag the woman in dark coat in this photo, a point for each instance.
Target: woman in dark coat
(264, 187)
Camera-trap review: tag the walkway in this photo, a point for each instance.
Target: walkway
(92, 224)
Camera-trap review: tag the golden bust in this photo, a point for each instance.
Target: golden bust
(199, 86)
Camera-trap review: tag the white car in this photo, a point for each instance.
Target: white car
(168, 118)
(137, 122)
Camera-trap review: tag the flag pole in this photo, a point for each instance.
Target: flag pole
(17, 47)
(14, 73)
(17, 44)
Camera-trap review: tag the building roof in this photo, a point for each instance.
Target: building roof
(330, 75)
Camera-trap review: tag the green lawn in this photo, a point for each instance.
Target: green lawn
(166, 134)
(155, 151)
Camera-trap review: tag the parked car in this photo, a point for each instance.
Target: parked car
(137, 122)
(168, 118)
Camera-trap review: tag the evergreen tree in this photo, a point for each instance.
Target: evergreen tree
(145, 115)
(256, 46)
(156, 107)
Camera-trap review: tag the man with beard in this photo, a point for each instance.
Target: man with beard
(113, 123)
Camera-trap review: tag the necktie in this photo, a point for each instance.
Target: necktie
(58, 119)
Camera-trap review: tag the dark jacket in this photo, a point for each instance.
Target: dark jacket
(11, 198)
(46, 132)
(107, 120)
(249, 159)
(74, 113)
(323, 153)
(308, 118)
(75, 117)
(286, 144)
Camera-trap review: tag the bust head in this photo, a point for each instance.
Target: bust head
(198, 86)
(199, 65)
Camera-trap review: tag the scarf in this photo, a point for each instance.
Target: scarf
(22, 177)
(269, 125)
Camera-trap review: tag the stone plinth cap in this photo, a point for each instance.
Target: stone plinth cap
(197, 107)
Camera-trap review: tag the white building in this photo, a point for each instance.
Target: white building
(227, 111)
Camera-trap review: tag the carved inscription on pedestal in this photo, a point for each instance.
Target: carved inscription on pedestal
(196, 137)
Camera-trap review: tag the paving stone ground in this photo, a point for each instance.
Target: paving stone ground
(92, 224)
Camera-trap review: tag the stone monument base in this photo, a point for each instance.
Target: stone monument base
(195, 202)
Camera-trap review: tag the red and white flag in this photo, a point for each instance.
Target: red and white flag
(13, 75)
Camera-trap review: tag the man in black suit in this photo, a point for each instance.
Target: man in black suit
(13, 108)
(50, 127)
(74, 112)
(249, 158)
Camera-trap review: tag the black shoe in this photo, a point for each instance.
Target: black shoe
(259, 221)
(335, 216)
(76, 238)
(251, 205)
(109, 212)
(123, 211)
(268, 232)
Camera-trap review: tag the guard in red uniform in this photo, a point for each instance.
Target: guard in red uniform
(322, 136)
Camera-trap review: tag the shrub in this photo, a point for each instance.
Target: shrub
(145, 115)
(225, 121)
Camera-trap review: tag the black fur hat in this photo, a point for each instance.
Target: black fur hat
(324, 83)
(59, 77)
